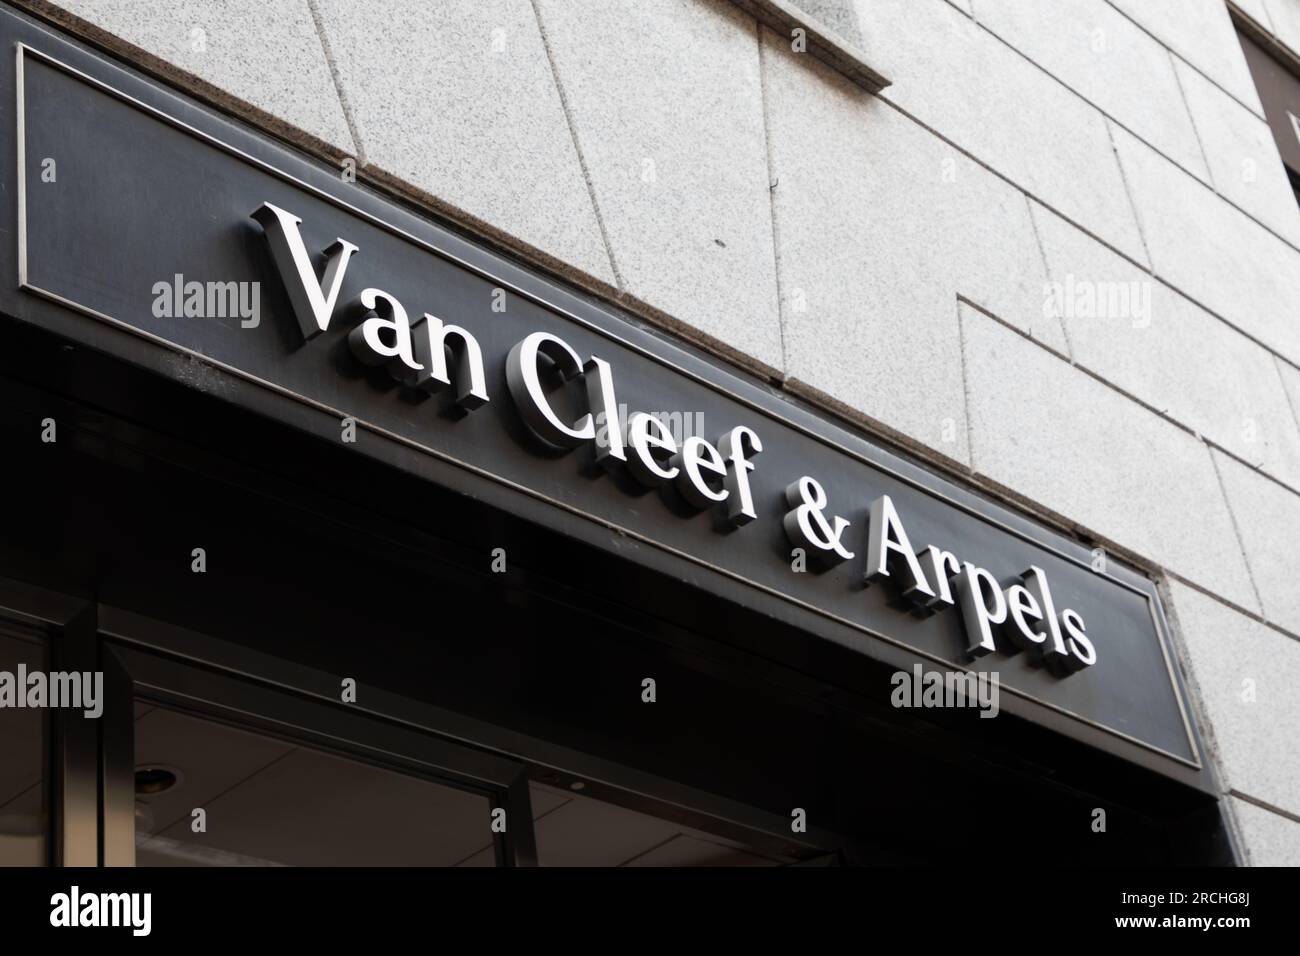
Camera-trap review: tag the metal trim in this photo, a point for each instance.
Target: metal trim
(117, 764)
(74, 783)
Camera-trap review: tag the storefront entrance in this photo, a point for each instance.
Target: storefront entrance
(363, 687)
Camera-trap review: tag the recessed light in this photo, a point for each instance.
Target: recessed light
(152, 780)
(577, 785)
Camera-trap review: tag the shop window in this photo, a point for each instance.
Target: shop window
(573, 830)
(208, 794)
(24, 760)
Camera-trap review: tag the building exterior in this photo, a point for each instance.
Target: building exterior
(1039, 260)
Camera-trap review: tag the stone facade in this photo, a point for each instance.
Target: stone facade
(1058, 256)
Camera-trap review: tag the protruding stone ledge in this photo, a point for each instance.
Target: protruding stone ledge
(823, 43)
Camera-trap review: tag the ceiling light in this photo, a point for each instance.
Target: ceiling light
(153, 780)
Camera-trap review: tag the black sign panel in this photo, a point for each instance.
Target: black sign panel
(131, 201)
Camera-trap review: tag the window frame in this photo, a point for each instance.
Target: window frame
(91, 785)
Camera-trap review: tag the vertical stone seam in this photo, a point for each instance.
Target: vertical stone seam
(1236, 529)
(1128, 194)
(358, 147)
(771, 195)
(1295, 412)
(577, 148)
(1196, 131)
(1047, 273)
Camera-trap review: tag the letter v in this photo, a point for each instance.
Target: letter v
(313, 303)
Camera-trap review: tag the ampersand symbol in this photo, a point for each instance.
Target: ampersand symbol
(806, 526)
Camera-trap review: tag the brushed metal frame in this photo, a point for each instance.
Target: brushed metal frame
(67, 623)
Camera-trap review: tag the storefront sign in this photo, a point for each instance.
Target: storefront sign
(273, 282)
(428, 352)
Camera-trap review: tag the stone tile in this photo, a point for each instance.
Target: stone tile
(861, 310)
(973, 89)
(1271, 839)
(1284, 21)
(1095, 50)
(457, 99)
(1067, 441)
(267, 54)
(667, 106)
(1245, 675)
(1244, 162)
(928, 214)
(1210, 250)
(880, 226)
(1201, 32)
(1268, 518)
(1155, 344)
